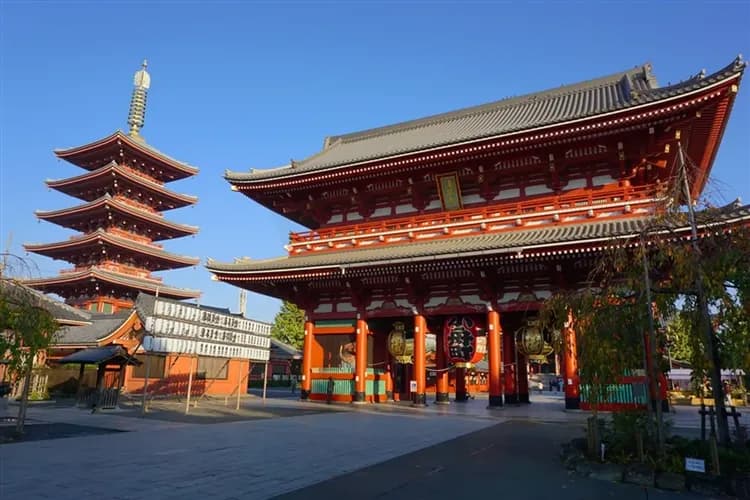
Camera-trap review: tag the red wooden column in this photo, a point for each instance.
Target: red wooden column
(304, 392)
(420, 333)
(570, 367)
(461, 394)
(441, 389)
(494, 334)
(388, 379)
(509, 360)
(360, 370)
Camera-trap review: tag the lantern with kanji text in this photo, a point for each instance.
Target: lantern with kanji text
(465, 340)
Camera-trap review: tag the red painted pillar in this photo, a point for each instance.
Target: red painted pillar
(570, 367)
(388, 380)
(420, 333)
(509, 360)
(494, 334)
(360, 369)
(461, 394)
(307, 361)
(441, 389)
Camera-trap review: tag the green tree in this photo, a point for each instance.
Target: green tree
(289, 325)
(27, 329)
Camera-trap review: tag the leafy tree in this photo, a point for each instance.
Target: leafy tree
(28, 329)
(289, 325)
(682, 345)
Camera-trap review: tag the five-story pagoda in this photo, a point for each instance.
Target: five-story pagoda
(124, 195)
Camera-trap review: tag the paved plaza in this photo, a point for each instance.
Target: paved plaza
(305, 450)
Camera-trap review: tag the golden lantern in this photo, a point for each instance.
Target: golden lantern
(401, 348)
(531, 343)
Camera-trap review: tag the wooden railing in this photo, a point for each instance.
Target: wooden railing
(536, 205)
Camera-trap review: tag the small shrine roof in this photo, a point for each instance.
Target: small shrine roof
(101, 326)
(111, 354)
(616, 92)
(522, 240)
(100, 236)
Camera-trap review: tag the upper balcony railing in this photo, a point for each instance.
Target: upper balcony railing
(538, 206)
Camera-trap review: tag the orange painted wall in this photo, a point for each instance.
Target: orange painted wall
(176, 375)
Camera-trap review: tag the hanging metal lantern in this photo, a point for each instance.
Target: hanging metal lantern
(530, 342)
(465, 342)
(399, 346)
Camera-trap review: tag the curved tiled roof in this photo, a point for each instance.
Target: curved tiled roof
(107, 200)
(59, 310)
(100, 328)
(69, 184)
(94, 273)
(486, 244)
(502, 242)
(72, 154)
(101, 236)
(616, 92)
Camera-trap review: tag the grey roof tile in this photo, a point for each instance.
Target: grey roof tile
(581, 100)
(493, 243)
(101, 326)
(59, 310)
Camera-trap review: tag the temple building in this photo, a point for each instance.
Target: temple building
(433, 243)
(121, 219)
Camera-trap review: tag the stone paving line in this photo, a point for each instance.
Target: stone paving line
(248, 459)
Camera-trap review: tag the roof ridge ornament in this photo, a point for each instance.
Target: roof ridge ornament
(137, 113)
(739, 63)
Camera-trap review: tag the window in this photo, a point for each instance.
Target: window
(156, 366)
(106, 307)
(213, 368)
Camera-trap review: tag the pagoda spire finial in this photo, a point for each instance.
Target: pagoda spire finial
(137, 114)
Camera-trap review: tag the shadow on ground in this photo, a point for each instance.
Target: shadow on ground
(516, 459)
(41, 432)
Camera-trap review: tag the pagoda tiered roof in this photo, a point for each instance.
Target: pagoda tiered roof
(98, 214)
(100, 244)
(128, 150)
(112, 177)
(518, 120)
(95, 281)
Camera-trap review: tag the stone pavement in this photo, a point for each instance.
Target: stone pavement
(248, 459)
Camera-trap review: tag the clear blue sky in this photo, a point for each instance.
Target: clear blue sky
(239, 85)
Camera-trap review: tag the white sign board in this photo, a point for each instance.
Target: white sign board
(179, 327)
(695, 465)
(413, 386)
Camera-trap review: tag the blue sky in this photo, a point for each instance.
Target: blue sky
(239, 85)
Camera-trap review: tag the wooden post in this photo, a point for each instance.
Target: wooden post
(441, 389)
(461, 394)
(420, 334)
(144, 394)
(189, 387)
(388, 380)
(495, 359)
(360, 369)
(239, 384)
(265, 381)
(306, 386)
(509, 362)
(80, 384)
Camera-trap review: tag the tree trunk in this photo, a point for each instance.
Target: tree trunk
(25, 395)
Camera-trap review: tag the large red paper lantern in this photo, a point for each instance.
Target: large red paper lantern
(465, 340)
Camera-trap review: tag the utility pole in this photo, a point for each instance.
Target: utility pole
(711, 350)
